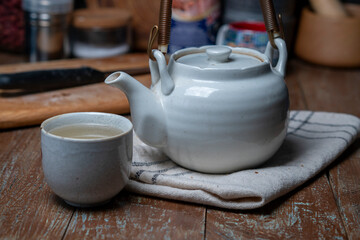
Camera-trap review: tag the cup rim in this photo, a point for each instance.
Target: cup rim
(48, 121)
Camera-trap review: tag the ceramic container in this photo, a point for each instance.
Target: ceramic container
(194, 23)
(250, 11)
(99, 33)
(86, 172)
(330, 41)
(213, 109)
(243, 34)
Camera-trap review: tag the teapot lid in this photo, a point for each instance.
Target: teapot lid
(220, 57)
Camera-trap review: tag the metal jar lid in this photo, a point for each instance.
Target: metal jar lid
(48, 6)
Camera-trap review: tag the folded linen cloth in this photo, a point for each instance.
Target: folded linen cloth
(313, 141)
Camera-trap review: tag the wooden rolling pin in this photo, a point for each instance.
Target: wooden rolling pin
(331, 8)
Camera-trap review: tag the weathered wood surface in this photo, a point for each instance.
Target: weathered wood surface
(28, 209)
(345, 181)
(136, 217)
(309, 212)
(31, 109)
(26, 109)
(338, 90)
(326, 207)
(313, 211)
(132, 62)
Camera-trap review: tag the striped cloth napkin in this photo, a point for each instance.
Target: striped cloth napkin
(313, 141)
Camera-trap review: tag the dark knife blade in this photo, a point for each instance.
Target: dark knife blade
(51, 79)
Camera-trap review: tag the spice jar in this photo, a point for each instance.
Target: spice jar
(46, 26)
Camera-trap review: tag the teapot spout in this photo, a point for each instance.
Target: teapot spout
(146, 110)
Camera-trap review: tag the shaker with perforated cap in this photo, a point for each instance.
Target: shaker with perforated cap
(46, 28)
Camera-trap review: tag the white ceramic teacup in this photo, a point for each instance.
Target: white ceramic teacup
(86, 172)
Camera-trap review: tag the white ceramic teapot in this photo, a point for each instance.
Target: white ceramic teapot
(212, 109)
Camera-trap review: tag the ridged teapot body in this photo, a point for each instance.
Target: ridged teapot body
(222, 114)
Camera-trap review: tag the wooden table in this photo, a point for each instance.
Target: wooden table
(326, 207)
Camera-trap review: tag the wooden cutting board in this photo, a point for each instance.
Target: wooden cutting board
(18, 110)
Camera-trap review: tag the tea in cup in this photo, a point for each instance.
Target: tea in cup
(86, 156)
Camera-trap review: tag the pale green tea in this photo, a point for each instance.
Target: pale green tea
(86, 131)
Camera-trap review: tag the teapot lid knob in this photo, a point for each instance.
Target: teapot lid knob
(218, 54)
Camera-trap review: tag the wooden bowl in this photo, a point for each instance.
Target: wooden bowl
(330, 41)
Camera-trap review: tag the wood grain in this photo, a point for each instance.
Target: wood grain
(307, 213)
(34, 108)
(326, 207)
(27, 207)
(132, 62)
(338, 90)
(296, 94)
(26, 109)
(135, 217)
(345, 181)
(330, 89)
